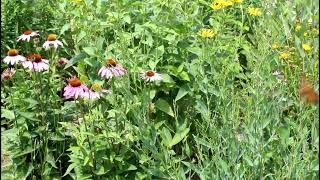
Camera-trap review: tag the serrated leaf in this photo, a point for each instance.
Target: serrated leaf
(179, 136)
(164, 106)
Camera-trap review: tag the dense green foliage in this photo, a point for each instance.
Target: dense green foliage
(219, 113)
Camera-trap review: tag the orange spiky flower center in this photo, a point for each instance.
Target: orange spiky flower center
(111, 63)
(12, 52)
(150, 73)
(27, 32)
(52, 37)
(74, 82)
(34, 57)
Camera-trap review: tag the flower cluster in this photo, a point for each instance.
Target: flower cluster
(75, 88)
(219, 4)
(254, 11)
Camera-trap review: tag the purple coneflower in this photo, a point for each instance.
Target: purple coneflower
(151, 76)
(8, 73)
(52, 42)
(112, 68)
(95, 92)
(27, 35)
(36, 63)
(13, 57)
(74, 89)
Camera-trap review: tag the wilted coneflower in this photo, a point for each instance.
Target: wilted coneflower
(27, 35)
(74, 89)
(95, 92)
(52, 42)
(36, 63)
(8, 73)
(13, 57)
(62, 61)
(151, 76)
(112, 68)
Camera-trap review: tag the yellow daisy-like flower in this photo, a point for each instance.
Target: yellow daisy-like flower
(216, 6)
(237, 1)
(305, 34)
(275, 45)
(206, 33)
(226, 3)
(298, 27)
(254, 11)
(284, 55)
(219, 4)
(306, 47)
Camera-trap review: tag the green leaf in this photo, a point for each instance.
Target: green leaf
(75, 59)
(7, 114)
(90, 50)
(127, 19)
(71, 166)
(65, 28)
(81, 35)
(164, 106)
(184, 75)
(179, 136)
(181, 93)
(50, 160)
(166, 136)
(100, 41)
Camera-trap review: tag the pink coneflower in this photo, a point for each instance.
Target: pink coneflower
(95, 92)
(151, 76)
(27, 35)
(8, 73)
(36, 63)
(13, 57)
(52, 42)
(74, 89)
(112, 68)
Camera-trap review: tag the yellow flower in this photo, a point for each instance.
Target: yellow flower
(254, 11)
(237, 1)
(226, 3)
(306, 47)
(216, 6)
(305, 34)
(284, 55)
(275, 45)
(96, 87)
(298, 27)
(206, 33)
(219, 4)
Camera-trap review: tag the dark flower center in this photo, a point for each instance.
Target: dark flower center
(111, 63)
(75, 82)
(12, 52)
(52, 37)
(35, 58)
(27, 32)
(150, 73)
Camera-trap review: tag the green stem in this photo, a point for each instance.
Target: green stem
(88, 139)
